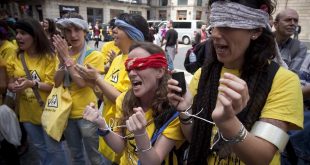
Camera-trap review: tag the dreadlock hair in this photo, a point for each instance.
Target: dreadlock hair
(253, 71)
(160, 105)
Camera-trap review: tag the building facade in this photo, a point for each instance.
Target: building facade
(104, 10)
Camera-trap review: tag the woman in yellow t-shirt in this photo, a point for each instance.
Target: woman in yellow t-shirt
(40, 60)
(249, 101)
(79, 133)
(129, 28)
(142, 111)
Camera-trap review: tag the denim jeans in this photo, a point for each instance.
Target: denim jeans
(50, 151)
(170, 54)
(79, 133)
(300, 141)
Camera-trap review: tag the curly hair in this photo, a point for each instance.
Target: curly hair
(253, 72)
(160, 105)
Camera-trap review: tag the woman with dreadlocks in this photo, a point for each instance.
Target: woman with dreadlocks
(150, 127)
(244, 103)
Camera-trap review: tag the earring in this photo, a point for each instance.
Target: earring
(253, 37)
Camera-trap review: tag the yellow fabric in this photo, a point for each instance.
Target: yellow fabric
(284, 102)
(117, 77)
(106, 48)
(173, 131)
(7, 49)
(81, 97)
(44, 69)
(56, 112)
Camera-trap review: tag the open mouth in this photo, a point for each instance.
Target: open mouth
(136, 83)
(220, 48)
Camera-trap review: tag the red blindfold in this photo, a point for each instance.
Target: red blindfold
(152, 61)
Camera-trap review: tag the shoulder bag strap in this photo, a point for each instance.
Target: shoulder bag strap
(35, 90)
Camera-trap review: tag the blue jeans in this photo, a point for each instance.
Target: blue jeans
(170, 54)
(50, 151)
(81, 132)
(300, 141)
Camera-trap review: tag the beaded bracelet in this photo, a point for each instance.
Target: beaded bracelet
(240, 137)
(141, 150)
(143, 134)
(98, 78)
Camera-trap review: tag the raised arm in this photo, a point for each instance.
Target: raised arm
(91, 74)
(63, 53)
(232, 98)
(146, 152)
(113, 139)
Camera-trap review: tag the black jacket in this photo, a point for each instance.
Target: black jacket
(202, 50)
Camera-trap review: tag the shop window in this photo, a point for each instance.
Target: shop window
(182, 2)
(94, 15)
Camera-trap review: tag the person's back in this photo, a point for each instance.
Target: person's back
(171, 42)
(201, 51)
(292, 51)
(171, 37)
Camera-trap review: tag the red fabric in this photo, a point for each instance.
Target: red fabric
(152, 61)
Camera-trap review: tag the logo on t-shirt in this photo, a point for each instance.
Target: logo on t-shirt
(114, 76)
(35, 76)
(53, 102)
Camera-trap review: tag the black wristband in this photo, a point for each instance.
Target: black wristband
(186, 119)
(36, 85)
(103, 133)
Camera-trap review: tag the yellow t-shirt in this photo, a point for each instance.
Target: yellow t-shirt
(117, 76)
(284, 102)
(7, 49)
(107, 47)
(41, 69)
(81, 97)
(173, 131)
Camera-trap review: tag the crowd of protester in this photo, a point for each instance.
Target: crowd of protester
(247, 103)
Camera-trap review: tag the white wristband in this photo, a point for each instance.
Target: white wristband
(271, 133)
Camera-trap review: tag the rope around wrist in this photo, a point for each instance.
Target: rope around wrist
(187, 120)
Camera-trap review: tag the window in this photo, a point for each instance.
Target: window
(182, 25)
(199, 2)
(94, 15)
(198, 15)
(162, 14)
(163, 2)
(135, 12)
(181, 14)
(182, 2)
(199, 24)
(115, 13)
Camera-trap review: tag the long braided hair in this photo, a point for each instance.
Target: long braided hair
(253, 71)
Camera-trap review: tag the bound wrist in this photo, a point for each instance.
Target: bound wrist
(36, 84)
(69, 62)
(229, 128)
